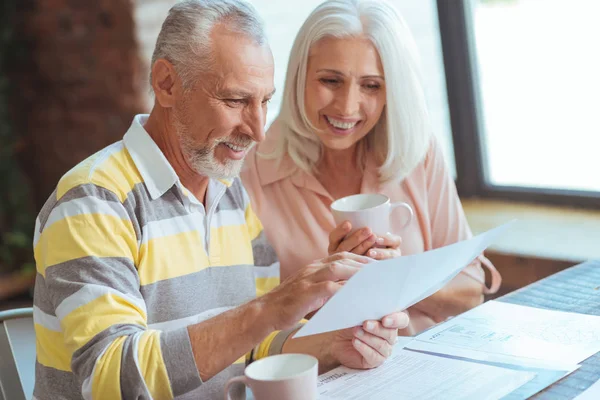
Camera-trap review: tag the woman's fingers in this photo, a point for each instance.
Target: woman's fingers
(337, 236)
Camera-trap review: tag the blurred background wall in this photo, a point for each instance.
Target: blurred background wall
(70, 82)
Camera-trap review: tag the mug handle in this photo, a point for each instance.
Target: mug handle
(408, 208)
(237, 379)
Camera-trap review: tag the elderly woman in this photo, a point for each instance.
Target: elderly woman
(354, 120)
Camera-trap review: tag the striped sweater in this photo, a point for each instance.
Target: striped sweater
(126, 259)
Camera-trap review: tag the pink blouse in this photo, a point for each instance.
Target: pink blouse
(293, 206)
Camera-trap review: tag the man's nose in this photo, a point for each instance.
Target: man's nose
(255, 122)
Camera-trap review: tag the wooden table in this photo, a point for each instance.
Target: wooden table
(576, 289)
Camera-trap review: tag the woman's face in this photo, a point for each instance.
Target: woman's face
(345, 90)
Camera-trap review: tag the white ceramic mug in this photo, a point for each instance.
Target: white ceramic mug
(280, 377)
(370, 210)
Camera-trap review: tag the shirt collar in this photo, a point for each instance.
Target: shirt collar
(156, 171)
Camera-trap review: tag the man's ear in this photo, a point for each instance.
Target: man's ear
(165, 83)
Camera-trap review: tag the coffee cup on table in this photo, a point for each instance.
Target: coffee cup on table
(369, 210)
(280, 377)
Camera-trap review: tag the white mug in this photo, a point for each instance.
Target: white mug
(280, 377)
(370, 210)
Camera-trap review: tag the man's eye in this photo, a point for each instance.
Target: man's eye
(235, 101)
(266, 101)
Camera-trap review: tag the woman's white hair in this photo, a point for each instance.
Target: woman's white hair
(401, 137)
(184, 39)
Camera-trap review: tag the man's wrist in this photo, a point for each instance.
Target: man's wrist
(266, 313)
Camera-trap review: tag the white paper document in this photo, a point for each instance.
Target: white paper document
(591, 393)
(411, 375)
(514, 330)
(384, 287)
(545, 373)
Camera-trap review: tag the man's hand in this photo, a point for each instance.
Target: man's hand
(364, 242)
(310, 288)
(369, 345)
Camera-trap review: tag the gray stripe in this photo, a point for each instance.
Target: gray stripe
(135, 386)
(215, 387)
(192, 294)
(41, 296)
(233, 198)
(46, 210)
(69, 277)
(179, 360)
(78, 192)
(53, 384)
(264, 253)
(146, 210)
(276, 346)
(85, 358)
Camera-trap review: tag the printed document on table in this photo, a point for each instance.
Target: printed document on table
(514, 330)
(384, 287)
(413, 375)
(546, 373)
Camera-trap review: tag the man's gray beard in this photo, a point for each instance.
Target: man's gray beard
(202, 159)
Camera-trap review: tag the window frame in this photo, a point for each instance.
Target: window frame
(466, 117)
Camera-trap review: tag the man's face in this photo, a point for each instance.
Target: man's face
(223, 115)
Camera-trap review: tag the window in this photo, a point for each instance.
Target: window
(539, 77)
(524, 88)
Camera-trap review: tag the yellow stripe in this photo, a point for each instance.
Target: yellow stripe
(226, 182)
(230, 245)
(265, 285)
(78, 175)
(241, 360)
(152, 366)
(263, 349)
(171, 256)
(106, 382)
(82, 236)
(117, 173)
(51, 350)
(85, 322)
(253, 223)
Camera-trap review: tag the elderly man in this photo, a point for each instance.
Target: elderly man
(153, 275)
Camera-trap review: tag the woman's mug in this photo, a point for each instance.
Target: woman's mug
(280, 377)
(369, 210)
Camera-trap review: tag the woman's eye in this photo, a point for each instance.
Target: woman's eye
(371, 86)
(329, 81)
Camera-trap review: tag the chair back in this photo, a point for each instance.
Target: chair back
(17, 352)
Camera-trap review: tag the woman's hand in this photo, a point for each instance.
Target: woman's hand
(387, 246)
(364, 242)
(358, 243)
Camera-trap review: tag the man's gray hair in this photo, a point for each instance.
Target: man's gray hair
(184, 39)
